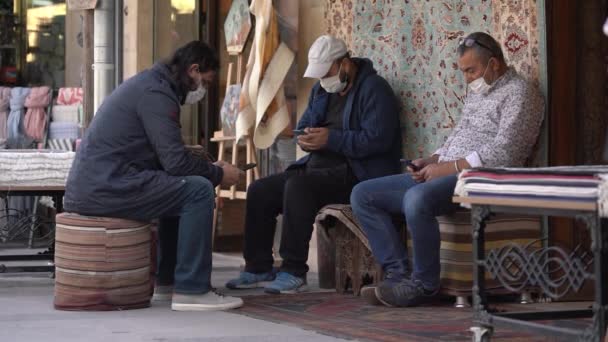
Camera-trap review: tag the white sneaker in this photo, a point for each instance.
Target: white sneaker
(209, 301)
(162, 293)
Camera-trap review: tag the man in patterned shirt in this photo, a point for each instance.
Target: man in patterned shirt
(500, 123)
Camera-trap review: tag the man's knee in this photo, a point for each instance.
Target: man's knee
(359, 195)
(201, 188)
(416, 201)
(297, 185)
(257, 189)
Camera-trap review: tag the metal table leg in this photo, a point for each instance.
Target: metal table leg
(482, 328)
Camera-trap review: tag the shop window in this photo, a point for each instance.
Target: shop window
(176, 22)
(32, 47)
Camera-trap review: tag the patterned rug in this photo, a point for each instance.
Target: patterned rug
(347, 316)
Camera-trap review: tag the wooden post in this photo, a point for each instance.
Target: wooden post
(87, 33)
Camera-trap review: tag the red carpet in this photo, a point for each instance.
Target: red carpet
(350, 317)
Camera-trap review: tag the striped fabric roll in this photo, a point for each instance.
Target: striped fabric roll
(64, 130)
(63, 113)
(61, 144)
(101, 263)
(35, 167)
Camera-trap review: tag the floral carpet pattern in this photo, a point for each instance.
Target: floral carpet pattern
(413, 45)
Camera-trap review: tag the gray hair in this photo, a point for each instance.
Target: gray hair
(484, 46)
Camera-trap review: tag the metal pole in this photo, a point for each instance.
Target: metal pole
(103, 53)
(118, 31)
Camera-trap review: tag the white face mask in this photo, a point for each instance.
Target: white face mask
(196, 95)
(480, 86)
(333, 84)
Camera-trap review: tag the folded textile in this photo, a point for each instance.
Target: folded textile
(584, 183)
(69, 96)
(65, 113)
(64, 130)
(23, 167)
(602, 198)
(14, 123)
(35, 117)
(533, 190)
(5, 95)
(530, 179)
(549, 171)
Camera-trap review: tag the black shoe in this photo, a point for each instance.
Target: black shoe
(404, 292)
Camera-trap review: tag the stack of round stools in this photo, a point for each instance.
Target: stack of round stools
(101, 263)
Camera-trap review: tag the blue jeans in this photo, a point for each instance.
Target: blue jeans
(375, 201)
(184, 237)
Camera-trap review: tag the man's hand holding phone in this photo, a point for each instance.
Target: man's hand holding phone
(232, 174)
(410, 166)
(313, 138)
(414, 167)
(248, 166)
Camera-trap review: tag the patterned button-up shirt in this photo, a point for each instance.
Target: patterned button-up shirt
(499, 128)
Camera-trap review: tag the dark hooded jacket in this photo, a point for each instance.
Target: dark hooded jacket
(370, 138)
(133, 151)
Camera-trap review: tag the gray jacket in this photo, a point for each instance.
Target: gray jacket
(133, 150)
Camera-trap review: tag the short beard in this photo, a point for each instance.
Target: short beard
(184, 83)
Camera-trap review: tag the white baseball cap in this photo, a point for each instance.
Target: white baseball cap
(322, 54)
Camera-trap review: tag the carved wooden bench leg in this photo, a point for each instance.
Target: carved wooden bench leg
(355, 265)
(342, 257)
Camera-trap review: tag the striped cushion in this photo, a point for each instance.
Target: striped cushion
(101, 263)
(457, 250)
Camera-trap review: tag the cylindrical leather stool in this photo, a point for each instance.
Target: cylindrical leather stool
(101, 263)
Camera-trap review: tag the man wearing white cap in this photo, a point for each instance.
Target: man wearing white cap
(351, 130)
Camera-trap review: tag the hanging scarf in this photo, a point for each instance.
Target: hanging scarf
(5, 95)
(35, 117)
(262, 102)
(16, 136)
(69, 96)
(64, 130)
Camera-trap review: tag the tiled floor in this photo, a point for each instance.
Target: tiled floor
(27, 314)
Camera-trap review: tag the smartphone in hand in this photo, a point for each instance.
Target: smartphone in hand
(408, 163)
(298, 132)
(248, 166)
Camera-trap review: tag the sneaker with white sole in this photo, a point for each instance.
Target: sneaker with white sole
(162, 293)
(209, 301)
(404, 292)
(286, 283)
(248, 280)
(368, 293)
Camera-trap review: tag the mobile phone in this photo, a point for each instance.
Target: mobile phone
(408, 163)
(297, 132)
(249, 166)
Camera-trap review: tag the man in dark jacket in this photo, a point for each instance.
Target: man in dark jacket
(133, 164)
(351, 129)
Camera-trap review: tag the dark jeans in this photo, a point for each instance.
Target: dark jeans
(184, 237)
(375, 200)
(299, 196)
